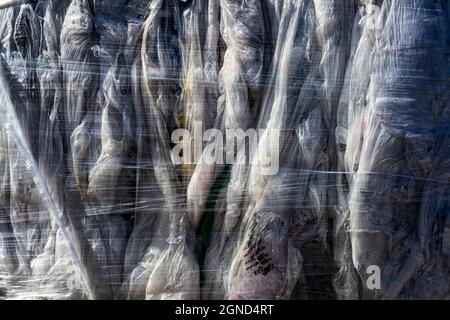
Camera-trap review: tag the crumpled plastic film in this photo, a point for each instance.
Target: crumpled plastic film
(224, 149)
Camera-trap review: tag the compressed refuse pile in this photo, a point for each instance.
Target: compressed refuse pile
(225, 149)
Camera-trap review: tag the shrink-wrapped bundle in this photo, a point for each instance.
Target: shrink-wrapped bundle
(224, 149)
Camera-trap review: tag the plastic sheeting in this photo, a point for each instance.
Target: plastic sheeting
(225, 149)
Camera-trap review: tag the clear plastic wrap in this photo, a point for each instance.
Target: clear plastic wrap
(224, 149)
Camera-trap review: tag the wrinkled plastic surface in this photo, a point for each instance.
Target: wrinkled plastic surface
(95, 204)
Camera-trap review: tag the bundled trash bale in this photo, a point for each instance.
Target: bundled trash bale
(224, 149)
